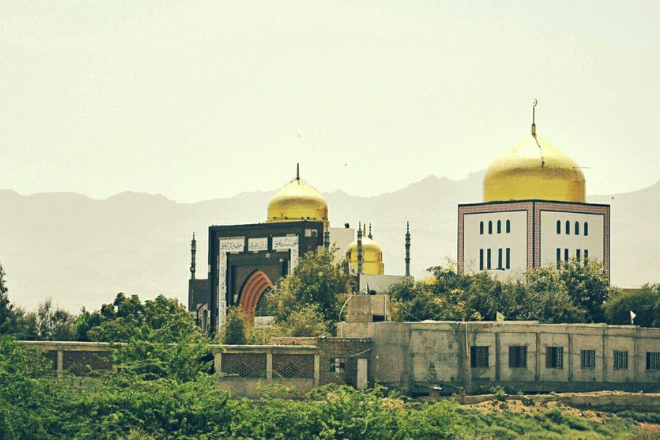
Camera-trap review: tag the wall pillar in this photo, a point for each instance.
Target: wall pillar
(317, 369)
(497, 356)
(269, 366)
(60, 362)
(362, 365)
(217, 362)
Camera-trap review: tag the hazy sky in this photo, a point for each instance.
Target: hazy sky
(200, 100)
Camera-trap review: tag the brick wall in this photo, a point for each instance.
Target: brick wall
(338, 357)
(290, 366)
(244, 364)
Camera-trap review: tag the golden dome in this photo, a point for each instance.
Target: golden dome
(297, 201)
(534, 169)
(372, 256)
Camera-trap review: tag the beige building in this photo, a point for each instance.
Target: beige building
(419, 357)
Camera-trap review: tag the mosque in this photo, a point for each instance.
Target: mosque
(246, 261)
(534, 213)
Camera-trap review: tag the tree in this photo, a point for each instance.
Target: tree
(644, 302)
(6, 308)
(233, 332)
(546, 299)
(588, 286)
(154, 339)
(305, 321)
(52, 324)
(317, 280)
(570, 295)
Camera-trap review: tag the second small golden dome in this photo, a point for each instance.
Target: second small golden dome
(372, 256)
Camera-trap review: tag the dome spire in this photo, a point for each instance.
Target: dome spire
(298, 171)
(534, 118)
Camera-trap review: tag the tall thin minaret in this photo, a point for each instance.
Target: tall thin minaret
(407, 249)
(193, 251)
(359, 249)
(371, 237)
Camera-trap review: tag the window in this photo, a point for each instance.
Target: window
(517, 356)
(479, 356)
(499, 226)
(558, 227)
(488, 259)
(587, 359)
(337, 365)
(499, 259)
(568, 227)
(558, 258)
(620, 360)
(577, 254)
(490, 227)
(652, 360)
(586, 256)
(566, 255)
(586, 228)
(554, 357)
(262, 305)
(481, 228)
(577, 228)
(508, 226)
(481, 259)
(508, 258)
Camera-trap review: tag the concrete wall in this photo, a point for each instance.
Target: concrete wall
(417, 356)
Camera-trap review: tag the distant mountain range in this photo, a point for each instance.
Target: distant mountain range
(82, 252)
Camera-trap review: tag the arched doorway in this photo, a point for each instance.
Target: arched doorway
(254, 288)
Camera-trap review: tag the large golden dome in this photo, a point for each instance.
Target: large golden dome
(297, 201)
(534, 169)
(372, 256)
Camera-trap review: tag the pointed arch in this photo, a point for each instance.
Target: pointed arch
(253, 288)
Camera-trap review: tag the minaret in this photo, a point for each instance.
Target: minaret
(326, 239)
(407, 249)
(371, 237)
(359, 249)
(193, 251)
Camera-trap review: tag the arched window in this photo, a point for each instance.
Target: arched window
(490, 227)
(568, 227)
(508, 226)
(586, 229)
(262, 305)
(577, 228)
(481, 228)
(558, 227)
(499, 226)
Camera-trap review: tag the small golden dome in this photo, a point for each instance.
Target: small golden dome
(534, 169)
(372, 256)
(297, 201)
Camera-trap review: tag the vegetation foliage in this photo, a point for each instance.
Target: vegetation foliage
(307, 303)
(162, 388)
(121, 405)
(574, 294)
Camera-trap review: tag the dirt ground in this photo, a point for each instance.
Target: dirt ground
(530, 406)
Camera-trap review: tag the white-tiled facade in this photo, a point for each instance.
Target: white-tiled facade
(520, 235)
